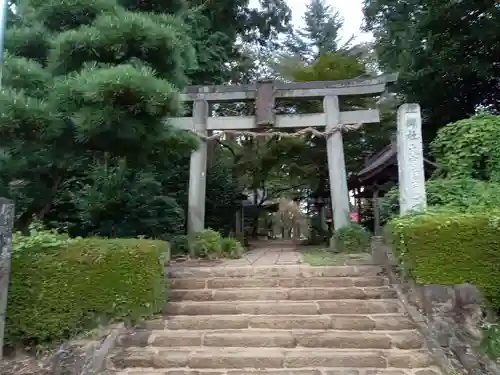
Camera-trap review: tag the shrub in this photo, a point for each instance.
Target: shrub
(451, 248)
(317, 235)
(59, 289)
(461, 195)
(206, 244)
(469, 148)
(122, 202)
(40, 239)
(232, 248)
(179, 245)
(353, 238)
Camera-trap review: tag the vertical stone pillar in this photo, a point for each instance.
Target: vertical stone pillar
(376, 213)
(336, 164)
(238, 224)
(198, 171)
(6, 224)
(322, 215)
(412, 196)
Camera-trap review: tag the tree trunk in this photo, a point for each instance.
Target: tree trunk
(48, 204)
(255, 227)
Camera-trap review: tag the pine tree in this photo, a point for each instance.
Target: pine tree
(87, 86)
(320, 34)
(323, 24)
(86, 83)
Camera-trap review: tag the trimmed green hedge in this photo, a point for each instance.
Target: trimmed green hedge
(57, 292)
(451, 248)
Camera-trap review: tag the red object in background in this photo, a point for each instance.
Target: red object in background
(354, 216)
(329, 220)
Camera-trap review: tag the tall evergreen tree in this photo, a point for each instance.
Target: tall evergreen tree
(320, 34)
(446, 52)
(85, 85)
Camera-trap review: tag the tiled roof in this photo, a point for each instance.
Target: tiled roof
(382, 159)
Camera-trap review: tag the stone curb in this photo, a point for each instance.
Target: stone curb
(418, 319)
(299, 371)
(95, 361)
(434, 348)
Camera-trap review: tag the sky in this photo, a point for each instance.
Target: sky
(349, 9)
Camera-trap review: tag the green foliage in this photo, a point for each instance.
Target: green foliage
(87, 87)
(125, 37)
(209, 244)
(39, 239)
(317, 235)
(60, 288)
(309, 154)
(295, 167)
(491, 340)
(330, 66)
(206, 244)
(459, 194)
(222, 198)
(179, 245)
(231, 248)
(451, 248)
(29, 41)
(469, 148)
(353, 238)
(61, 16)
(389, 204)
(112, 105)
(432, 44)
(321, 32)
(121, 202)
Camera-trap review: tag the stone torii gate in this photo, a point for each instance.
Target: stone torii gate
(264, 94)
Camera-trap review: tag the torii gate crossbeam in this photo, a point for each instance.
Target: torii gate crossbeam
(264, 94)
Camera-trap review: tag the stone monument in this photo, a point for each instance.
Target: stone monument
(412, 196)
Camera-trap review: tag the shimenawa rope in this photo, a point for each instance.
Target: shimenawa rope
(271, 134)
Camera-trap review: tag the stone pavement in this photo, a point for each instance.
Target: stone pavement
(268, 254)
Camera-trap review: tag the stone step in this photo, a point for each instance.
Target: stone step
(276, 282)
(262, 358)
(273, 271)
(277, 294)
(343, 306)
(259, 338)
(339, 322)
(296, 371)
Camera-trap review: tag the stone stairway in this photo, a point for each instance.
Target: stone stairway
(281, 320)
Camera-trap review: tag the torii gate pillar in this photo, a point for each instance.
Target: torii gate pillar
(198, 171)
(336, 164)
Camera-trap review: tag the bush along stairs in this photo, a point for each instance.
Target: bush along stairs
(282, 320)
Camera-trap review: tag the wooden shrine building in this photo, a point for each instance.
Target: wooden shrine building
(379, 175)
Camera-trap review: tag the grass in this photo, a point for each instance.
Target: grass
(326, 257)
(321, 257)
